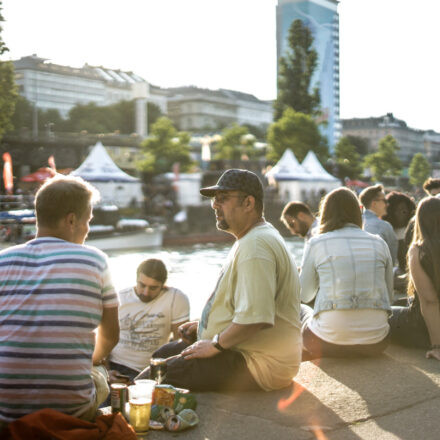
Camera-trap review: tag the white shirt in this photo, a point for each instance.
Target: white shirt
(144, 327)
(351, 327)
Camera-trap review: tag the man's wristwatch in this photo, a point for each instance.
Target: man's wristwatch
(216, 343)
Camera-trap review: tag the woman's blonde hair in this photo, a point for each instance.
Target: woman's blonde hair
(339, 207)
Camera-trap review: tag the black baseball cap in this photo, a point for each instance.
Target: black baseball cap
(236, 180)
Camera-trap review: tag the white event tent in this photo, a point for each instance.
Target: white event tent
(307, 181)
(115, 186)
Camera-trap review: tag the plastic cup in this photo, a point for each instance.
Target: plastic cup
(139, 399)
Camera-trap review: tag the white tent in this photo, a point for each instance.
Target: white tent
(314, 168)
(306, 182)
(288, 168)
(115, 186)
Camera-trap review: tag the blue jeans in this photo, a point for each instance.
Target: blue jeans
(315, 347)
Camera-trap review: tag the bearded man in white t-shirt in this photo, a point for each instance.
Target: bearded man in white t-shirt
(149, 313)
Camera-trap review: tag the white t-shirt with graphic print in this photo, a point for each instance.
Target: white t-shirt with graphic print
(144, 327)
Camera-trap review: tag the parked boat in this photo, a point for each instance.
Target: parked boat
(129, 234)
(16, 226)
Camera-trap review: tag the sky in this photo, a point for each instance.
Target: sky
(389, 49)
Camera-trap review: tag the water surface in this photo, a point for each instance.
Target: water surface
(192, 269)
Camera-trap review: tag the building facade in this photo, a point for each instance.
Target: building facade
(322, 18)
(53, 86)
(195, 109)
(409, 140)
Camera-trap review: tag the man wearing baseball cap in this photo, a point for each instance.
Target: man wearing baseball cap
(248, 337)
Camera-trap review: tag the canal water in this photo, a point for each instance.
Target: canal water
(192, 269)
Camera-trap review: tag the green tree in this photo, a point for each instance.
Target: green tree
(23, 115)
(165, 147)
(236, 143)
(360, 143)
(105, 119)
(385, 161)
(295, 74)
(347, 159)
(419, 169)
(8, 88)
(298, 132)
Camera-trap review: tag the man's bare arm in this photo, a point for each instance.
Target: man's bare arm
(232, 335)
(107, 336)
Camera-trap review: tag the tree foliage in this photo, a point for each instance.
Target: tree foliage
(104, 119)
(165, 147)
(295, 74)
(298, 132)
(236, 143)
(384, 162)
(90, 117)
(347, 159)
(360, 143)
(23, 117)
(8, 89)
(419, 169)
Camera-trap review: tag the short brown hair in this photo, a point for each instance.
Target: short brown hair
(431, 184)
(153, 268)
(61, 196)
(369, 194)
(339, 207)
(292, 209)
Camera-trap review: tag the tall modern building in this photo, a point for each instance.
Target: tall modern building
(322, 18)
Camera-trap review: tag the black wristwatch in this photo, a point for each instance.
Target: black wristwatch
(216, 343)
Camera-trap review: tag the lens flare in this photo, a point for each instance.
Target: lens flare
(297, 389)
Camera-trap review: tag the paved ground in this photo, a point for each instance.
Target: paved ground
(395, 396)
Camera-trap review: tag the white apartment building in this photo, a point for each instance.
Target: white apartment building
(53, 86)
(197, 109)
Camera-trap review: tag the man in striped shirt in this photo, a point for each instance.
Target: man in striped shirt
(54, 293)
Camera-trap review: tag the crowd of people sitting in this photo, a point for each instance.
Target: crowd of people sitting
(66, 333)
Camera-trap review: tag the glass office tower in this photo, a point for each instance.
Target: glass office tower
(322, 18)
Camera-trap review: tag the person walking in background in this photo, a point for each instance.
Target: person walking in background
(150, 312)
(54, 293)
(249, 335)
(374, 201)
(418, 324)
(350, 273)
(298, 218)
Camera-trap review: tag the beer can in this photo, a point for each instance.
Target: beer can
(158, 369)
(119, 397)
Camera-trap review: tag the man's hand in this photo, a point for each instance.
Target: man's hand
(117, 377)
(188, 331)
(200, 349)
(434, 354)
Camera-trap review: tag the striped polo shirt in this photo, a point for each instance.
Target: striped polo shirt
(52, 293)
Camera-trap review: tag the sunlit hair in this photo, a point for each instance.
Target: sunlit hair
(63, 195)
(431, 184)
(153, 268)
(394, 199)
(369, 194)
(338, 208)
(427, 237)
(292, 209)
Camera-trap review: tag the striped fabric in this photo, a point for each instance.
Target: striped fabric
(52, 293)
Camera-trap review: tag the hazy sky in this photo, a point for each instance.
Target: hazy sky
(389, 49)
